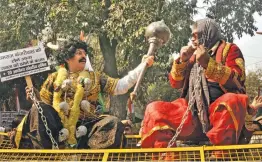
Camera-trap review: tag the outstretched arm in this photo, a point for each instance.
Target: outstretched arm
(121, 86)
(125, 83)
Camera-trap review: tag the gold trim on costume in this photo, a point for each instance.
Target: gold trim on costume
(156, 128)
(73, 96)
(225, 52)
(231, 114)
(217, 72)
(110, 85)
(240, 62)
(177, 71)
(210, 67)
(95, 89)
(69, 122)
(46, 96)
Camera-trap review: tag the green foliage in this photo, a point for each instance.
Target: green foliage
(253, 82)
(115, 31)
(235, 17)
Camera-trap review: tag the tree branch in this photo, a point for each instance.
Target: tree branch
(106, 9)
(159, 9)
(114, 43)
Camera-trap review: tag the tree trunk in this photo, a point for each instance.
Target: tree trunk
(109, 54)
(108, 48)
(117, 103)
(118, 106)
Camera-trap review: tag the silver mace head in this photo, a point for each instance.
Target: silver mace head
(158, 33)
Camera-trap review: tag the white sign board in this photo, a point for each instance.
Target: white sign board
(7, 117)
(22, 62)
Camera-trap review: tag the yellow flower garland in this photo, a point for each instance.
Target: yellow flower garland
(70, 121)
(74, 113)
(61, 76)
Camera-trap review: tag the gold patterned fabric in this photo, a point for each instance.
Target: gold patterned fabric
(157, 128)
(53, 93)
(177, 71)
(217, 72)
(240, 62)
(107, 85)
(95, 88)
(48, 86)
(110, 85)
(111, 138)
(46, 96)
(225, 52)
(229, 109)
(45, 93)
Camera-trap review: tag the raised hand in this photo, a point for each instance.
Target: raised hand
(257, 102)
(202, 56)
(149, 60)
(186, 52)
(28, 91)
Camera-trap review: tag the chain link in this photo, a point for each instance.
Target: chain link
(190, 104)
(43, 118)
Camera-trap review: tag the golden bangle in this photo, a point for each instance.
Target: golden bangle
(177, 71)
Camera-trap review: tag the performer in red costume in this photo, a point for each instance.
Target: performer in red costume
(211, 74)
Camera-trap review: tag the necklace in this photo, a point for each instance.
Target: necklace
(69, 122)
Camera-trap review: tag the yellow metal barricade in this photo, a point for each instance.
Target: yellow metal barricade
(4, 141)
(132, 141)
(250, 152)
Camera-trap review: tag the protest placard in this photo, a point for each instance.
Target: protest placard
(23, 62)
(7, 117)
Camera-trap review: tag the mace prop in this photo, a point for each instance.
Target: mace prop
(157, 34)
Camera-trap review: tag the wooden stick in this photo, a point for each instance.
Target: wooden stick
(151, 52)
(29, 81)
(258, 91)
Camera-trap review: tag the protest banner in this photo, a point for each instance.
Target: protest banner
(23, 63)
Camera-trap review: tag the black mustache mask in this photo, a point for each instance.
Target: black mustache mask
(82, 60)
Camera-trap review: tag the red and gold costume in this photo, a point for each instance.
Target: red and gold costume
(225, 77)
